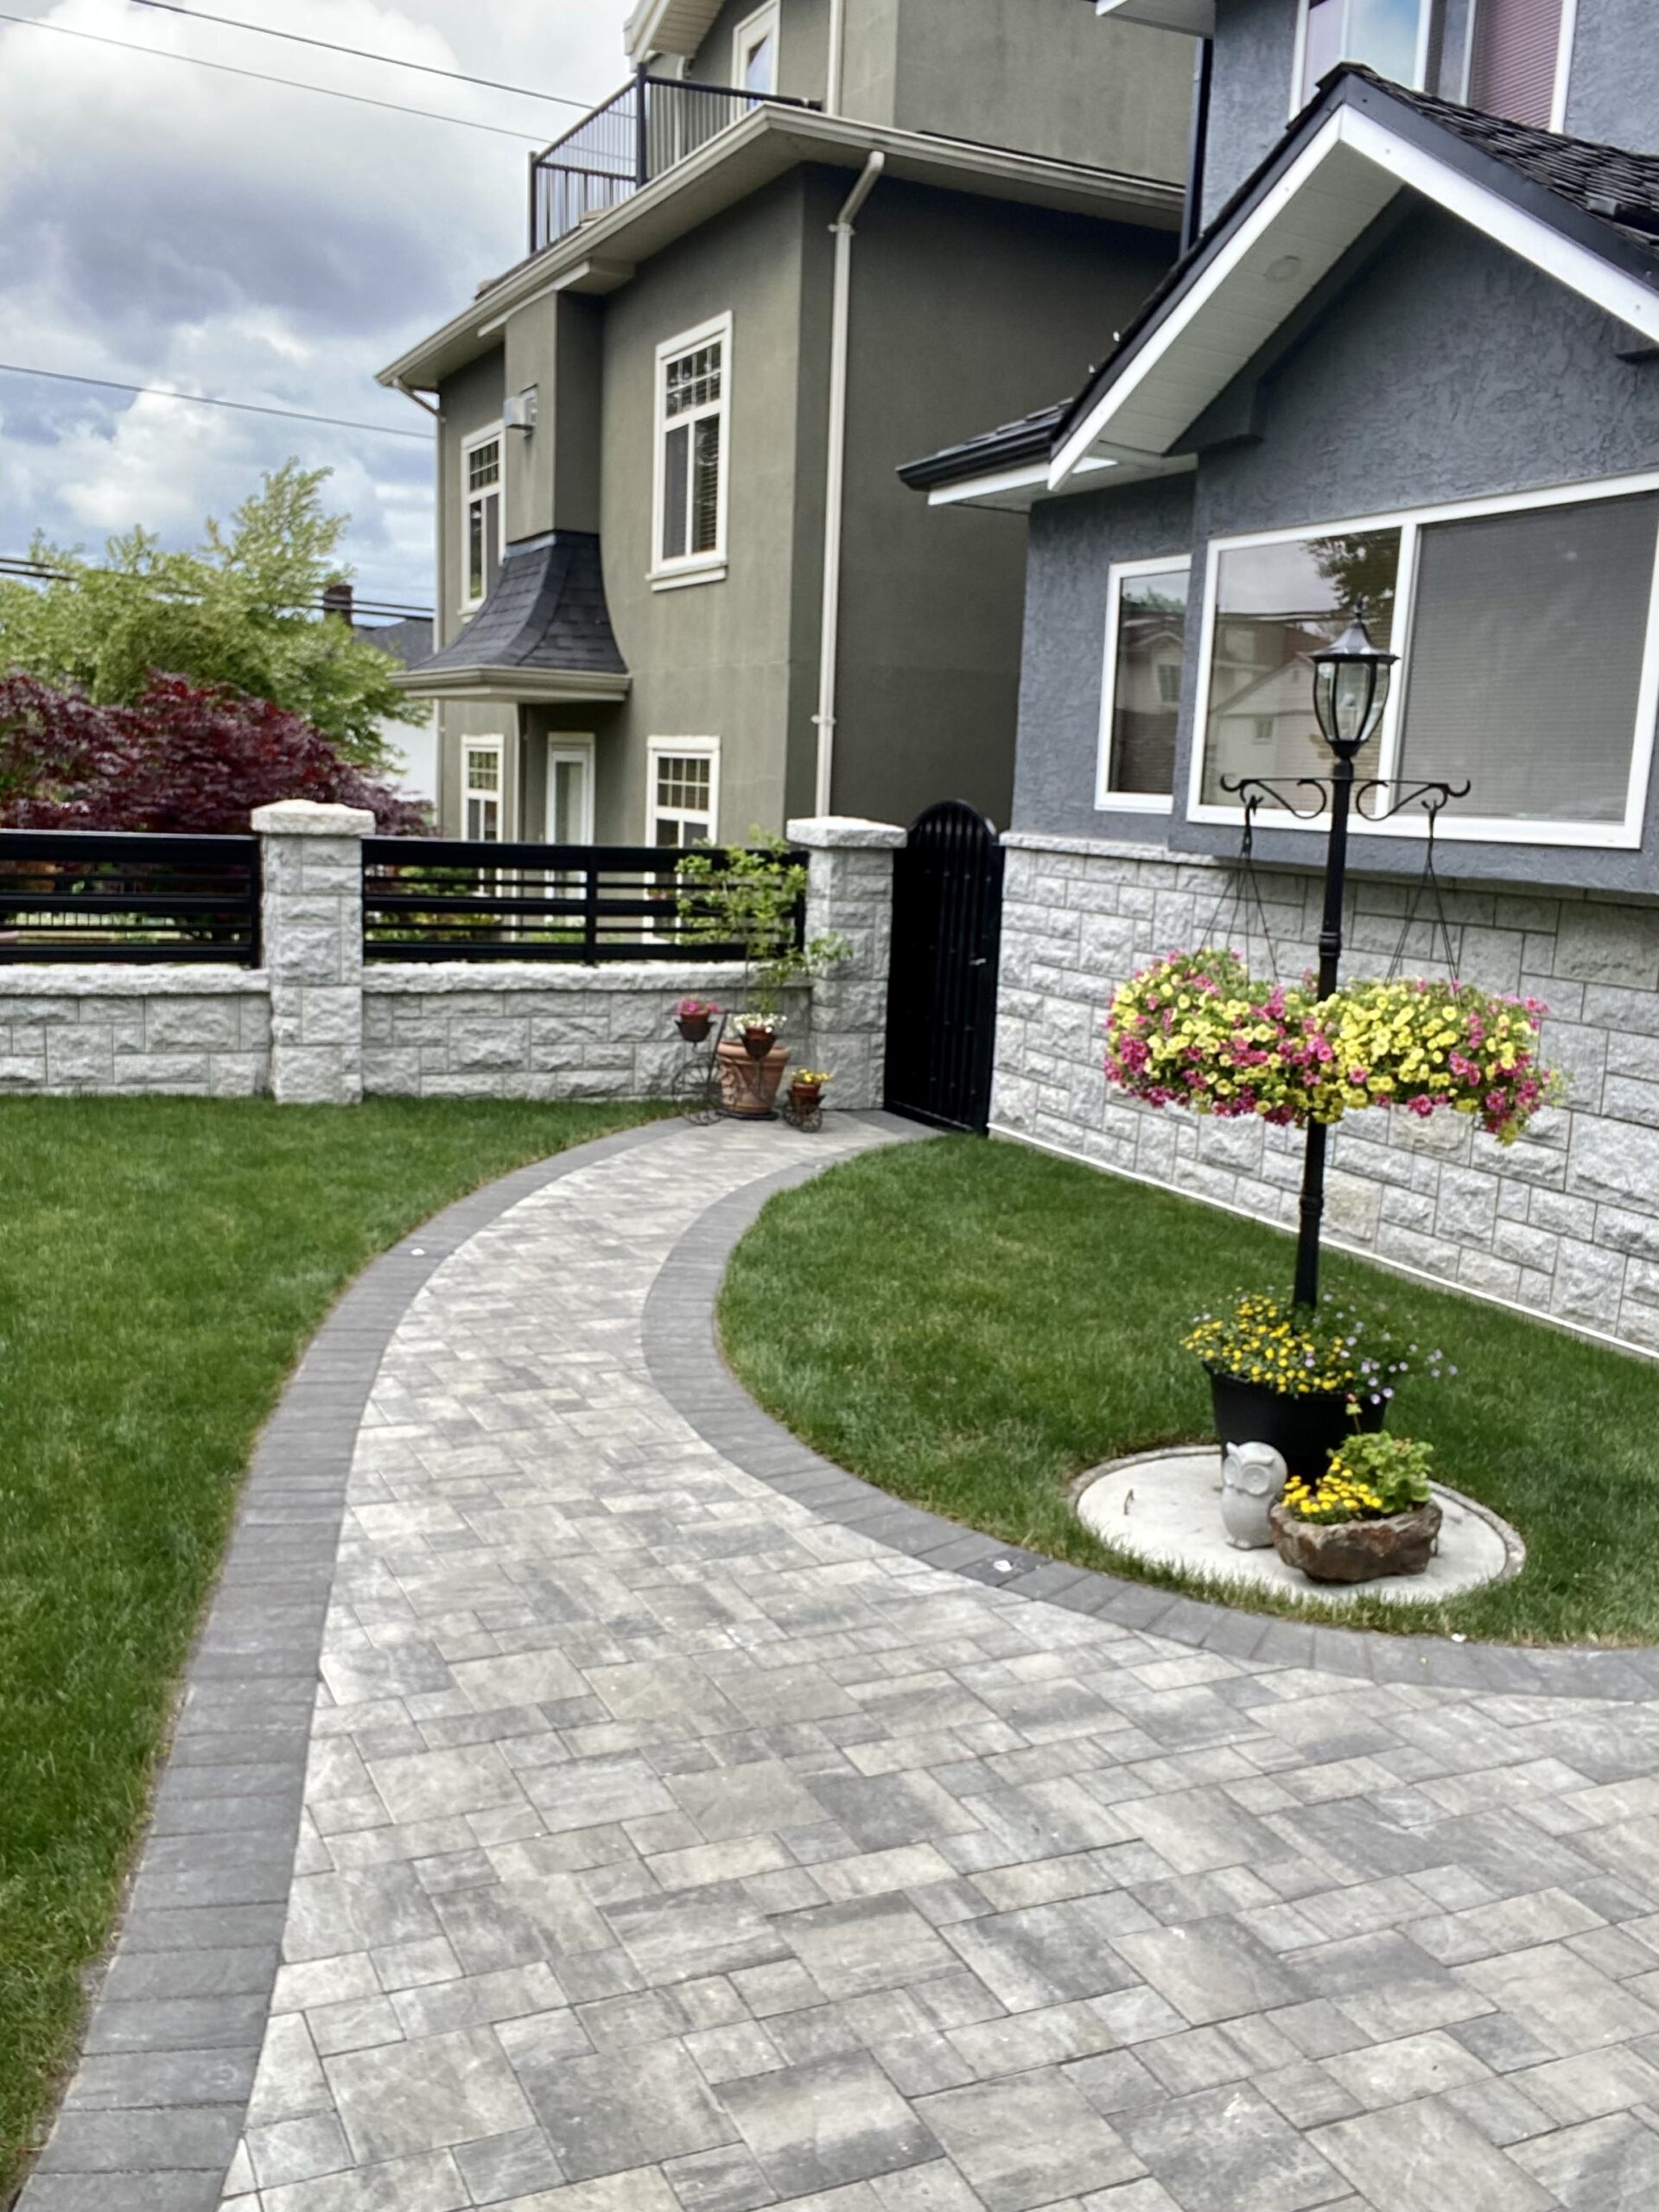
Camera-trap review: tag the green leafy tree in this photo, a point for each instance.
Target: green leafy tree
(242, 610)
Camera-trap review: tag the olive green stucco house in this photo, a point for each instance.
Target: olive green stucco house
(681, 590)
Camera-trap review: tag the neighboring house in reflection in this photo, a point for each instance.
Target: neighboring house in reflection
(683, 591)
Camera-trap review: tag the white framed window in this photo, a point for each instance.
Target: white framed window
(694, 383)
(1507, 57)
(569, 809)
(754, 51)
(1141, 688)
(482, 526)
(1527, 631)
(682, 789)
(481, 777)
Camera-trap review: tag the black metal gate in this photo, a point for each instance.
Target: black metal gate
(947, 922)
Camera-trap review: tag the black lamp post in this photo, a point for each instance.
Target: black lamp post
(1350, 690)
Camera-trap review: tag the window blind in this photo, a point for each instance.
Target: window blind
(1525, 658)
(1512, 68)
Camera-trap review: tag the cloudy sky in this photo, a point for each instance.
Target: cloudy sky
(164, 224)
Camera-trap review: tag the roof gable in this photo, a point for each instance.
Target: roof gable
(1574, 210)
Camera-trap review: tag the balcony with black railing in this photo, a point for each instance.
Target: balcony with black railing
(642, 131)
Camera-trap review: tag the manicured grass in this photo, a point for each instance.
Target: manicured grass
(971, 1324)
(162, 1263)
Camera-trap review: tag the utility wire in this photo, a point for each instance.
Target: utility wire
(202, 399)
(362, 53)
(262, 77)
(17, 564)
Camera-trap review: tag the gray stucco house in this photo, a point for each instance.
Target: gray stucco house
(680, 588)
(1411, 360)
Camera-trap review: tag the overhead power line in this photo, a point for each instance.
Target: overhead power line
(203, 400)
(263, 77)
(360, 52)
(19, 564)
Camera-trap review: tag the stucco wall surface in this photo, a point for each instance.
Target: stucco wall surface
(1564, 1222)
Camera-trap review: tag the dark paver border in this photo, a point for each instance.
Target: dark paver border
(683, 1355)
(159, 2099)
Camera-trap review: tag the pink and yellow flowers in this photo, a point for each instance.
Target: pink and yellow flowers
(1196, 1029)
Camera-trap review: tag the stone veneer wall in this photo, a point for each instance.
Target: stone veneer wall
(318, 1023)
(1564, 1222)
(197, 1032)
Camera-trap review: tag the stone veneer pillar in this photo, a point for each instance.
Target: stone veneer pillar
(312, 911)
(850, 894)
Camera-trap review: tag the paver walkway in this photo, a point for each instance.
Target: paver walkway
(668, 1848)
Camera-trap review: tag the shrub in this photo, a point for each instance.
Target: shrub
(1370, 1478)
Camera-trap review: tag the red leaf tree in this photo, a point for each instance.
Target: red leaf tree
(188, 759)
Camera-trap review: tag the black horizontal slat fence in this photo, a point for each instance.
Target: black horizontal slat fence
(126, 896)
(430, 899)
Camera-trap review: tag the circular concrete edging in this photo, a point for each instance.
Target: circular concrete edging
(1161, 1507)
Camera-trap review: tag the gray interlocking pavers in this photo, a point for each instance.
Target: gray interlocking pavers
(686, 1827)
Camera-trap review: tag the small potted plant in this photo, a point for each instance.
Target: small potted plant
(806, 1089)
(759, 1031)
(1369, 1514)
(693, 1017)
(1301, 1382)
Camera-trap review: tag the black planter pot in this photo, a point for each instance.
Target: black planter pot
(1303, 1431)
(756, 1043)
(694, 1027)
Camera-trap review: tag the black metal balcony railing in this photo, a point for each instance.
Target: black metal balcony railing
(640, 133)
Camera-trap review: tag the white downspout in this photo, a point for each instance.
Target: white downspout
(837, 55)
(835, 476)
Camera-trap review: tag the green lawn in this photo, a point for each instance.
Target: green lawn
(162, 1263)
(970, 1324)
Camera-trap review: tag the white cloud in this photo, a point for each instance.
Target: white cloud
(162, 224)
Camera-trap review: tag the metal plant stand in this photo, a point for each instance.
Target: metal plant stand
(694, 1088)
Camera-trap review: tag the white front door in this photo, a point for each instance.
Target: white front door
(569, 789)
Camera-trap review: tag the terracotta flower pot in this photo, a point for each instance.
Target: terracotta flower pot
(1306, 1430)
(694, 1027)
(807, 1096)
(748, 1084)
(1357, 1551)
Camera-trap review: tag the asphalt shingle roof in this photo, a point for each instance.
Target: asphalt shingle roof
(547, 613)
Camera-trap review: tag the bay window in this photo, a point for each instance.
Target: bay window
(1527, 629)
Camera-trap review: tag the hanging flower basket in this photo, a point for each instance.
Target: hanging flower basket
(1196, 1029)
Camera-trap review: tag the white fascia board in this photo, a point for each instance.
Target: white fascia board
(482, 682)
(1338, 184)
(1196, 17)
(1018, 490)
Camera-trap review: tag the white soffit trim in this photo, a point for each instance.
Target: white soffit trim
(670, 26)
(1339, 184)
(1198, 17)
(1018, 490)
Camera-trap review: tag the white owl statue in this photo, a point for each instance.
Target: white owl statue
(1252, 1480)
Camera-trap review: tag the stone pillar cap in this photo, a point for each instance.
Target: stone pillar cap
(827, 833)
(308, 818)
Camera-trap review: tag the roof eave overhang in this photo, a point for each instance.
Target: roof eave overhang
(669, 27)
(1197, 17)
(1016, 489)
(517, 686)
(1332, 181)
(603, 253)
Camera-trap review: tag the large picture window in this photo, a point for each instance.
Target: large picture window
(1529, 635)
(1140, 695)
(693, 408)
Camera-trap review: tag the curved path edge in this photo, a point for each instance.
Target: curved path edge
(684, 1355)
(156, 2102)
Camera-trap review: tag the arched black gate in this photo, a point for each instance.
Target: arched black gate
(947, 924)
